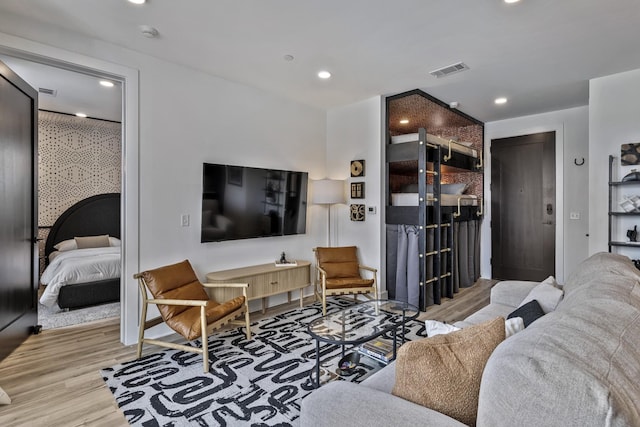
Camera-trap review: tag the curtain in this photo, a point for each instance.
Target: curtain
(408, 265)
(466, 235)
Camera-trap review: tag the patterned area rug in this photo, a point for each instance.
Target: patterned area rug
(259, 382)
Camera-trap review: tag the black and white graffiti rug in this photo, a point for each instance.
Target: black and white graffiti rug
(257, 382)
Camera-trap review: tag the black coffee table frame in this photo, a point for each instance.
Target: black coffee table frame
(360, 323)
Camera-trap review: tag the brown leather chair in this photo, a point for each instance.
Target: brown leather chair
(339, 274)
(186, 308)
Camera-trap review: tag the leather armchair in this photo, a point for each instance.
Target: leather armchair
(186, 308)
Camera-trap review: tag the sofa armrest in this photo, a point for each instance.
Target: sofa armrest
(511, 292)
(342, 403)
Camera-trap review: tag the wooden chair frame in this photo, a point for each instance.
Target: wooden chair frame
(321, 292)
(206, 329)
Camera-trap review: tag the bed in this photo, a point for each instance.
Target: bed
(89, 275)
(411, 199)
(459, 147)
(450, 195)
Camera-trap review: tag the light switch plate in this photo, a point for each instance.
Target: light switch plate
(184, 220)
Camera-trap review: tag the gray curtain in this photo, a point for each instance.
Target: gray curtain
(466, 236)
(392, 259)
(408, 265)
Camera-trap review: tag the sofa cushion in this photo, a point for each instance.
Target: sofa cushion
(529, 312)
(489, 312)
(443, 372)
(343, 403)
(547, 295)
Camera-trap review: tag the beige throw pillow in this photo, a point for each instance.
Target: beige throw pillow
(443, 373)
(92, 242)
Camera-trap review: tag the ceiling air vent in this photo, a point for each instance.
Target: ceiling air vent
(449, 69)
(45, 91)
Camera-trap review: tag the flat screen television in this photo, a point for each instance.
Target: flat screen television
(242, 202)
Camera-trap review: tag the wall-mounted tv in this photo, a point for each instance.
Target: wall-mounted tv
(242, 202)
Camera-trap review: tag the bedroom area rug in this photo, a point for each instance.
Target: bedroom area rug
(257, 382)
(54, 317)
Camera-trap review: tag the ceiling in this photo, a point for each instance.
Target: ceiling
(540, 54)
(74, 92)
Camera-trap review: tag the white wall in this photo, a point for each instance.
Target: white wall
(354, 132)
(185, 118)
(571, 127)
(614, 119)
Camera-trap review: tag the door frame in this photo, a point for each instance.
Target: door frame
(509, 129)
(129, 78)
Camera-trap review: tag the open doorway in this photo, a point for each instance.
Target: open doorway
(79, 161)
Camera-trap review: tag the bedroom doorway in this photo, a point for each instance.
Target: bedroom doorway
(523, 207)
(78, 158)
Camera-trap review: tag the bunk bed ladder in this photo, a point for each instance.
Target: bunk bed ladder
(437, 234)
(423, 220)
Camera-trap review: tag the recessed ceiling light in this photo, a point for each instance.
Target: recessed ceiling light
(81, 115)
(501, 100)
(404, 121)
(106, 83)
(511, 1)
(324, 74)
(137, 1)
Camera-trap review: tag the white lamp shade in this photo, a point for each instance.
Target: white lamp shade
(328, 192)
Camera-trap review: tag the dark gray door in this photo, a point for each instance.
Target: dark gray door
(18, 219)
(523, 217)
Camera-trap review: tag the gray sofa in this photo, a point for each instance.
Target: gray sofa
(576, 366)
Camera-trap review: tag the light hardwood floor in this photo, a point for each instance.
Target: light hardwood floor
(54, 379)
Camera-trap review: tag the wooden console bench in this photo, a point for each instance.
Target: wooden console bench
(264, 280)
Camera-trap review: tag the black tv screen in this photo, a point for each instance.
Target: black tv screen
(242, 202)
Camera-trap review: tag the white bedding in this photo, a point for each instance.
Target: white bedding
(411, 199)
(79, 266)
(433, 139)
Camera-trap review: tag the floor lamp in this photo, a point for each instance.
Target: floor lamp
(328, 192)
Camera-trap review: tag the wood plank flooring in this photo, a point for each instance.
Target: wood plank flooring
(53, 378)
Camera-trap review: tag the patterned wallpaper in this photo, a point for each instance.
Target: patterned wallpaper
(77, 158)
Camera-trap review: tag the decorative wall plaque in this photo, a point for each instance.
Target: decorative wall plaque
(357, 212)
(357, 168)
(630, 154)
(357, 190)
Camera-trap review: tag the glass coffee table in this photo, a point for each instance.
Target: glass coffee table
(361, 323)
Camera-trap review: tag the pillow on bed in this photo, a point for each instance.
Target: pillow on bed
(92, 242)
(449, 188)
(66, 245)
(444, 188)
(70, 245)
(453, 188)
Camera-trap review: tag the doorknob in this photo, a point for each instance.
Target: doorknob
(549, 209)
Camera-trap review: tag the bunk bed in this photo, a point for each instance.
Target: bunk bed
(434, 202)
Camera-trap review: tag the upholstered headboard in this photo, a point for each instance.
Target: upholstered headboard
(92, 216)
